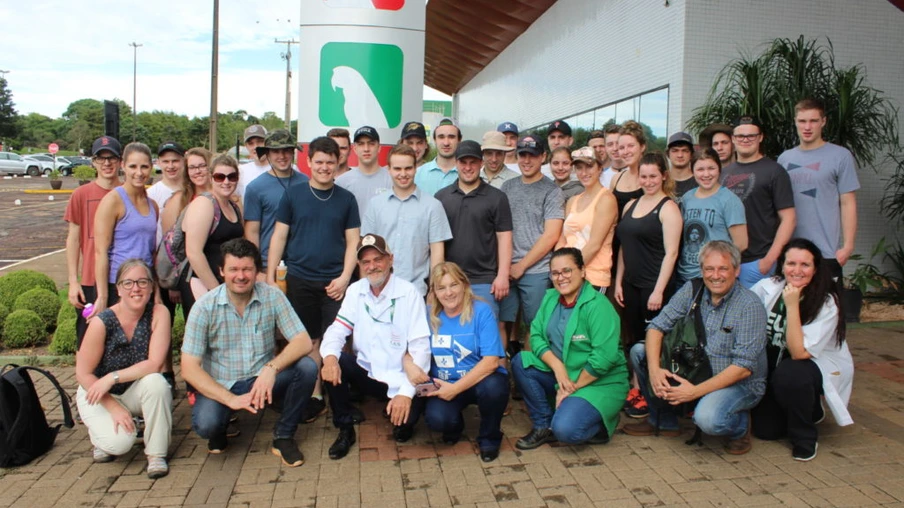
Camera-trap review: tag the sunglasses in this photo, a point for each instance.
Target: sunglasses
(222, 177)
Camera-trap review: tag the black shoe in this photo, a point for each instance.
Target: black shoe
(233, 430)
(489, 455)
(451, 439)
(216, 444)
(313, 409)
(343, 443)
(600, 437)
(804, 454)
(287, 450)
(534, 439)
(516, 392)
(402, 433)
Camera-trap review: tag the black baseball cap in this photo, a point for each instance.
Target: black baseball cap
(748, 120)
(106, 143)
(468, 148)
(531, 145)
(366, 131)
(413, 129)
(171, 146)
(561, 126)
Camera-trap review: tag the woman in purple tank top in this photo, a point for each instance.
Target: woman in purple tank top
(125, 225)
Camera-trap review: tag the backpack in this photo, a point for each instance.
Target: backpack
(24, 433)
(170, 261)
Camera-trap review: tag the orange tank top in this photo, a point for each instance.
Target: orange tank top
(577, 233)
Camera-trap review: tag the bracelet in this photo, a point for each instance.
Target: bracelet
(115, 377)
(272, 366)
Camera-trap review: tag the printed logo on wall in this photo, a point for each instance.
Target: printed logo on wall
(361, 84)
(386, 5)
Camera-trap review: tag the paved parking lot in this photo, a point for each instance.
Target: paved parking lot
(35, 226)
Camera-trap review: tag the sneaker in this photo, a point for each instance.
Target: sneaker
(157, 467)
(819, 415)
(343, 443)
(638, 407)
(287, 450)
(741, 445)
(233, 430)
(402, 433)
(804, 454)
(534, 439)
(139, 426)
(645, 428)
(314, 408)
(101, 456)
(633, 393)
(216, 445)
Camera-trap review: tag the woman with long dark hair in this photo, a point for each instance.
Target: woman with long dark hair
(808, 357)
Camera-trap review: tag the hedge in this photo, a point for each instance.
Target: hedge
(12, 285)
(64, 339)
(23, 328)
(46, 304)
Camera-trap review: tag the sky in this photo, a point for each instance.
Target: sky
(60, 51)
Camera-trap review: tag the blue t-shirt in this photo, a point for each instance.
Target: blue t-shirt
(457, 348)
(315, 249)
(706, 219)
(262, 197)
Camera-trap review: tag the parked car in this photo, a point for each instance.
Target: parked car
(15, 164)
(44, 157)
(46, 166)
(74, 160)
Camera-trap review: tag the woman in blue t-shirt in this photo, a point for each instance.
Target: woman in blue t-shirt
(466, 367)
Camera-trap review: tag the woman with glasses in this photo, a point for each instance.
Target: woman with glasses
(560, 166)
(466, 349)
(576, 360)
(590, 219)
(208, 224)
(117, 369)
(125, 225)
(195, 182)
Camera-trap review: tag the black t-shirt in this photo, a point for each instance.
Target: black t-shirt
(682, 186)
(475, 218)
(765, 188)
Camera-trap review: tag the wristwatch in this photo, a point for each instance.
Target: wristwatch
(115, 377)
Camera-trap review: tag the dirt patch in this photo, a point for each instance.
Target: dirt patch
(881, 311)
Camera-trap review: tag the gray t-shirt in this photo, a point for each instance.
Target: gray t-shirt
(819, 177)
(532, 205)
(706, 219)
(364, 187)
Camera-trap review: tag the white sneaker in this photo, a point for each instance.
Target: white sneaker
(101, 456)
(157, 467)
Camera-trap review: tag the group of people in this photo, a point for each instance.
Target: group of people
(410, 283)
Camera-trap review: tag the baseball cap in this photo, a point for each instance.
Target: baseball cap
(716, 128)
(508, 127)
(171, 146)
(255, 131)
(680, 137)
(413, 129)
(374, 242)
(495, 140)
(748, 120)
(468, 148)
(280, 138)
(106, 143)
(366, 131)
(531, 145)
(584, 154)
(561, 126)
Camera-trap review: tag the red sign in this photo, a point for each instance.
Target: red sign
(53, 148)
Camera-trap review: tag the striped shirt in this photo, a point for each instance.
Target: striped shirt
(234, 347)
(735, 331)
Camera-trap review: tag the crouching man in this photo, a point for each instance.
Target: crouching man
(228, 354)
(735, 327)
(388, 317)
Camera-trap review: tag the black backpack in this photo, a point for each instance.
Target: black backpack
(24, 433)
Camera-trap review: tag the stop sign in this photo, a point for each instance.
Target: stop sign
(53, 148)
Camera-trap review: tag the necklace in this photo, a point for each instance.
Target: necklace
(333, 188)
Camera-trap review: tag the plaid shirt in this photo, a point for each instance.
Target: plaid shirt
(233, 347)
(735, 331)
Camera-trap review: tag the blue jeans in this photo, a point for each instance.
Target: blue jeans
(483, 291)
(719, 413)
(491, 396)
(291, 392)
(526, 292)
(750, 273)
(574, 422)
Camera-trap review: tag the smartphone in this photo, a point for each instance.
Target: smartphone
(425, 389)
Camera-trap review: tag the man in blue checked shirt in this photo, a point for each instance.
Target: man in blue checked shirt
(735, 323)
(228, 355)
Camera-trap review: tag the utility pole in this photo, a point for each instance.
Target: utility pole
(214, 70)
(287, 56)
(134, 87)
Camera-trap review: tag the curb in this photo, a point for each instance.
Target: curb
(48, 191)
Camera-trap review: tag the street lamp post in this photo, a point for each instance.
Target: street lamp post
(214, 69)
(134, 88)
(287, 56)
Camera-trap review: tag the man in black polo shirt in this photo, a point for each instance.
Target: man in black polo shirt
(481, 223)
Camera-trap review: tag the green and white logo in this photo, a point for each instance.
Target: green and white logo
(361, 84)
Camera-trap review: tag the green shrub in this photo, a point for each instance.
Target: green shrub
(178, 330)
(23, 328)
(64, 339)
(46, 304)
(14, 284)
(84, 172)
(4, 311)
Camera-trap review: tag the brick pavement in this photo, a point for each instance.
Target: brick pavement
(859, 465)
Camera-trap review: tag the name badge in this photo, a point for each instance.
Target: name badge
(578, 338)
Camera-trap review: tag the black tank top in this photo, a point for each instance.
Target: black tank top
(224, 232)
(642, 246)
(623, 198)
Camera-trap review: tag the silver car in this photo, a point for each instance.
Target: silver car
(14, 164)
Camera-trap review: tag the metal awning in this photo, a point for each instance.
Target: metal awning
(464, 36)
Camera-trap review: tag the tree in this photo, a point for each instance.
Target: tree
(8, 114)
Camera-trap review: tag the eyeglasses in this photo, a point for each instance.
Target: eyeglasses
(128, 284)
(198, 167)
(103, 160)
(566, 273)
(745, 137)
(222, 177)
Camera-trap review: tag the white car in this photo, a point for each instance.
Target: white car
(46, 166)
(15, 164)
(48, 159)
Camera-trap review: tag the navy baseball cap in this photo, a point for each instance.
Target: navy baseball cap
(171, 146)
(507, 127)
(561, 126)
(367, 131)
(531, 145)
(106, 143)
(415, 129)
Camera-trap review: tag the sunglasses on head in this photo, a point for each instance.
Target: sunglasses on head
(222, 177)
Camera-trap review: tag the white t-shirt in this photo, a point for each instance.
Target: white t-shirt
(160, 193)
(247, 173)
(606, 177)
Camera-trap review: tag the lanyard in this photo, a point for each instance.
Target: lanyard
(391, 312)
